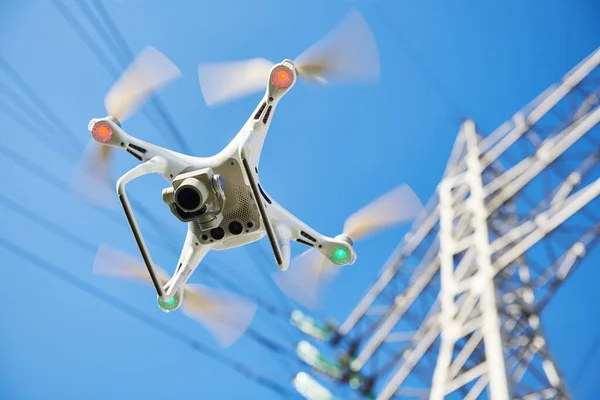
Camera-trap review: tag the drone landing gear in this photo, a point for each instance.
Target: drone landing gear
(156, 164)
(263, 212)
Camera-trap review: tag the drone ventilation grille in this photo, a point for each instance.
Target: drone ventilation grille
(244, 211)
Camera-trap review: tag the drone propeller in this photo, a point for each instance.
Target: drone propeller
(310, 272)
(92, 179)
(224, 315)
(348, 53)
(144, 76)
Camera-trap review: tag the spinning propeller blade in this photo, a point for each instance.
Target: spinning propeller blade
(395, 207)
(310, 272)
(348, 53)
(221, 82)
(92, 182)
(112, 262)
(307, 276)
(146, 74)
(224, 315)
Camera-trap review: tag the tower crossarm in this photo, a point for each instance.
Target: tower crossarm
(494, 145)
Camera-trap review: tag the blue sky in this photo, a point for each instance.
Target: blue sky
(57, 341)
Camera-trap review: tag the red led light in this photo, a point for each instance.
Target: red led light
(282, 77)
(102, 132)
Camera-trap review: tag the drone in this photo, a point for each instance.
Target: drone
(220, 197)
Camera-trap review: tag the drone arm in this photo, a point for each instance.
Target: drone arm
(192, 254)
(255, 130)
(292, 227)
(282, 235)
(154, 165)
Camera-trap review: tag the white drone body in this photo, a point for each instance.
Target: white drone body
(220, 197)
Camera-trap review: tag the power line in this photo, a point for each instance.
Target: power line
(122, 306)
(87, 39)
(158, 104)
(26, 123)
(104, 57)
(104, 30)
(52, 118)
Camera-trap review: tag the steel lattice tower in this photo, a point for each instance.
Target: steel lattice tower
(455, 312)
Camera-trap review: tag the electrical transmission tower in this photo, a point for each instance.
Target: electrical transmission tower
(456, 310)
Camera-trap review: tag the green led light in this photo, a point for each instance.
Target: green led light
(169, 305)
(340, 256)
(170, 302)
(354, 382)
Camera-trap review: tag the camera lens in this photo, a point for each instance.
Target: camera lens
(188, 198)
